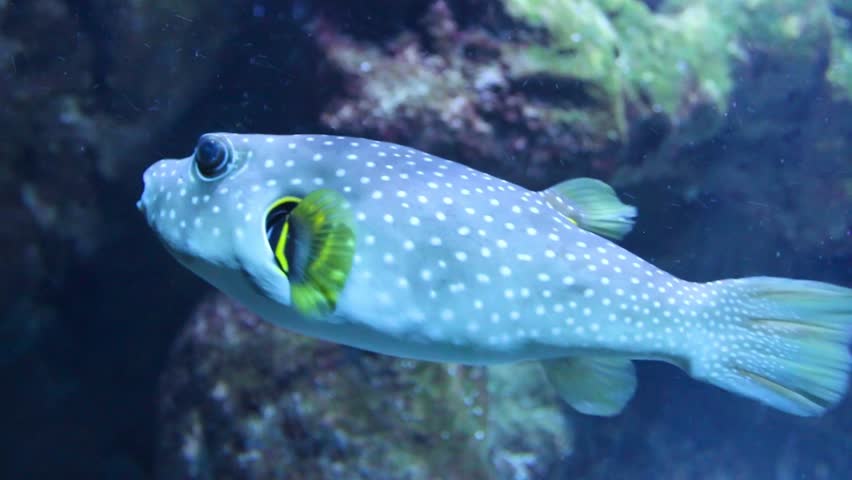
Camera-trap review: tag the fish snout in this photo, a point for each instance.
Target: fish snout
(160, 184)
(144, 199)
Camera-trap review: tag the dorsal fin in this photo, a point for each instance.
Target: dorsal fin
(592, 205)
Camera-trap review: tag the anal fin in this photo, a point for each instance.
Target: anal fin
(599, 386)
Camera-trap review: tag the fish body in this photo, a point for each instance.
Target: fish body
(390, 249)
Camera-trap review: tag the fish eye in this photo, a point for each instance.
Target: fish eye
(212, 157)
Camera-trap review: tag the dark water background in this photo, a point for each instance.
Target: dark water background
(92, 91)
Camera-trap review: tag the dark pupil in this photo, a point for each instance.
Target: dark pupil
(210, 158)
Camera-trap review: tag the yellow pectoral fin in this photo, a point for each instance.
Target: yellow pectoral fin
(323, 225)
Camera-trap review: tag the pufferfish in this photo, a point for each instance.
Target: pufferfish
(393, 250)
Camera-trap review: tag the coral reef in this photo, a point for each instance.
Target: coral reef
(840, 67)
(779, 161)
(635, 58)
(529, 436)
(453, 91)
(244, 399)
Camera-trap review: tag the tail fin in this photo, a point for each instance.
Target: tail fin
(784, 342)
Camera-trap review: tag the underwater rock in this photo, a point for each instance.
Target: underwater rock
(639, 61)
(448, 88)
(529, 436)
(84, 87)
(153, 61)
(75, 114)
(244, 399)
(738, 107)
(537, 89)
(46, 205)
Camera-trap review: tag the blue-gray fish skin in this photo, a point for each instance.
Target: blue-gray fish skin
(452, 264)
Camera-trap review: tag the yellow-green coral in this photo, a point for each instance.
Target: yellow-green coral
(800, 30)
(681, 54)
(629, 52)
(840, 69)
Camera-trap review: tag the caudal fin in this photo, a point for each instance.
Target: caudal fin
(781, 341)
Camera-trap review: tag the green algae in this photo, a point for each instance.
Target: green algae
(839, 72)
(681, 54)
(630, 53)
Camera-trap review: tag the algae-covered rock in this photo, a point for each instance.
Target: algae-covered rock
(82, 89)
(629, 54)
(565, 86)
(840, 67)
(537, 88)
(452, 90)
(529, 436)
(681, 54)
(244, 399)
(743, 83)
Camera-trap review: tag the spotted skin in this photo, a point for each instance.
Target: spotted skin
(452, 264)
